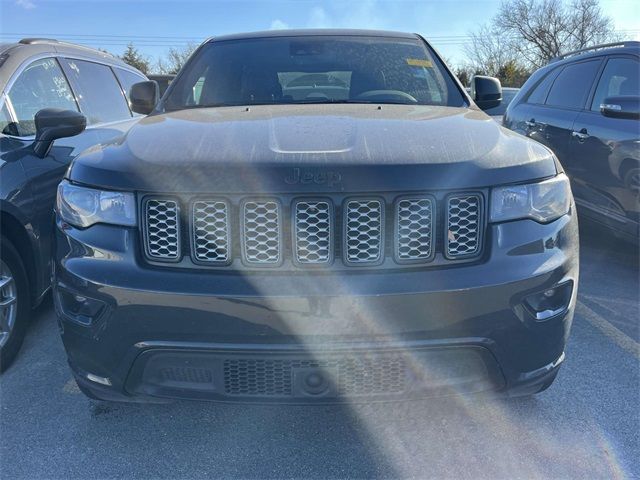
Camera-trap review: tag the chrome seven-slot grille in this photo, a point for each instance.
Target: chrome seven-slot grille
(320, 231)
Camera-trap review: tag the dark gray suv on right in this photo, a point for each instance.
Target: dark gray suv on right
(585, 106)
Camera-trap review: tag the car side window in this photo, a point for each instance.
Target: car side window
(99, 93)
(5, 120)
(41, 85)
(620, 77)
(573, 84)
(127, 79)
(540, 91)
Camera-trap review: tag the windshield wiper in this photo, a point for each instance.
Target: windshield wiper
(306, 101)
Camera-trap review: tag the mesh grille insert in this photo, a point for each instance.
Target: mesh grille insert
(414, 229)
(463, 225)
(211, 231)
(356, 375)
(262, 232)
(187, 375)
(162, 229)
(363, 231)
(313, 232)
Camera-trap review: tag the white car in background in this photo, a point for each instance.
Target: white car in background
(497, 113)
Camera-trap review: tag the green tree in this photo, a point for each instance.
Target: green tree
(133, 57)
(512, 74)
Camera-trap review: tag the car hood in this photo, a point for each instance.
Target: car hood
(288, 148)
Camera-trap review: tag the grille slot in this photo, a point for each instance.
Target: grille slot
(313, 232)
(356, 375)
(463, 225)
(414, 229)
(363, 221)
(162, 239)
(186, 375)
(210, 224)
(262, 232)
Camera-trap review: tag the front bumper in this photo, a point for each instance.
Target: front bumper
(152, 333)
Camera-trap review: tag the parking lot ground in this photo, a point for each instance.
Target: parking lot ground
(586, 425)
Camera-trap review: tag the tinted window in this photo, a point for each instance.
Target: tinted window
(620, 77)
(127, 79)
(572, 86)
(41, 85)
(314, 69)
(540, 91)
(99, 93)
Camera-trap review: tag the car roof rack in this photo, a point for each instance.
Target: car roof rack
(35, 41)
(628, 43)
(62, 43)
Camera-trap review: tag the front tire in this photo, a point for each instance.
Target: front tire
(14, 303)
(632, 181)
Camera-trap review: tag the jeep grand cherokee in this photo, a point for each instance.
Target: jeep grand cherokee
(313, 216)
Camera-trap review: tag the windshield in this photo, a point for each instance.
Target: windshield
(313, 69)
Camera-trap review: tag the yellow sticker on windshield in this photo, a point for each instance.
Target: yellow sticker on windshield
(417, 62)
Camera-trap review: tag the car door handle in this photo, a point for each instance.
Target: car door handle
(581, 135)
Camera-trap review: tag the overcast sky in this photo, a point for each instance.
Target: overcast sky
(154, 26)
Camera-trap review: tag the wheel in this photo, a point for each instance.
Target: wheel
(14, 303)
(632, 181)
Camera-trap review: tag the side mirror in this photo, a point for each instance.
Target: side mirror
(143, 96)
(54, 123)
(486, 91)
(627, 106)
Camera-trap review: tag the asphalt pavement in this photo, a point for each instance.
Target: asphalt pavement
(587, 425)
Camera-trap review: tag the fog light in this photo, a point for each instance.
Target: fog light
(100, 380)
(551, 302)
(79, 308)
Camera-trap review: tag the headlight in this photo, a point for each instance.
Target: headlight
(543, 201)
(83, 207)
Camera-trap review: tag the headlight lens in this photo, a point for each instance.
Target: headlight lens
(83, 207)
(543, 201)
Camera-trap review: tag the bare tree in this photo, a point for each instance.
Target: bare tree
(539, 30)
(175, 59)
(489, 51)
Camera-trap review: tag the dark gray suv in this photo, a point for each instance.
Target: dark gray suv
(50, 90)
(315, 216)
(585, 106)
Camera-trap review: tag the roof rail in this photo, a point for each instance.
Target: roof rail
(45, 41)
(33, 41)
(628, 43)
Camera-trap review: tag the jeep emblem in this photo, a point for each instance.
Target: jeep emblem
(305, 177)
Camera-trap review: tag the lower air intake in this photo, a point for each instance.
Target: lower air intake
(352, 375)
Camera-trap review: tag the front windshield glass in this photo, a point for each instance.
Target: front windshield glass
(313, 69)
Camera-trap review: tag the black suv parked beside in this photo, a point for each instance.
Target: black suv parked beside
(50, 90)
(585, 106)
(313, 216)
